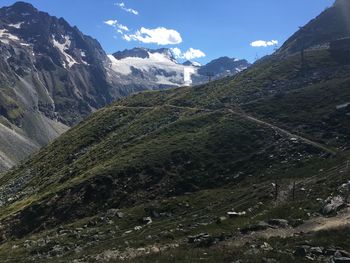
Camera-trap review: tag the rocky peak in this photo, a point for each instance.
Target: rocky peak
(224, 65)
(49, 36)
(143, 53)
(52, 76)
(22, 7)
(191, 63)
(132, 53)
(164, 51)
(330, 25)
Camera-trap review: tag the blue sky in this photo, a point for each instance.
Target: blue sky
(193, 27)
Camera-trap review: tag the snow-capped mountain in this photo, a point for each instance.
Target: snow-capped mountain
(159, 68)
(52, 76)
(191, 63)
(223, 67)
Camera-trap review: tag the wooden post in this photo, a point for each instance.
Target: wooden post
(293, 191)
(276, 190)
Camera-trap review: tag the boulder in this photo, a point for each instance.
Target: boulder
(202, 238)
(114, 213)
(334, 204)
(236, 214)
(341, 260)
(278, 222)
(221, 219)
(316, 250)
(301, 251)
(342, 253)
(147, 220)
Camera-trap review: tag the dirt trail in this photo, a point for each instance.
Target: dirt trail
(285, 132)
(310, 226)
(324, 223)
(244, 115)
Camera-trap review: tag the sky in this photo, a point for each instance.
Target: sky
(198, 30)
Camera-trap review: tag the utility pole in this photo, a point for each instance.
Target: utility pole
(257, 57)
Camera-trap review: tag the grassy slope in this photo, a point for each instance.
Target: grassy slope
(140, 150)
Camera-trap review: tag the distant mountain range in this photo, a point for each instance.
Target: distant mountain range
(159, 68)
(52, 76)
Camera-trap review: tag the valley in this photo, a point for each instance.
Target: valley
(252, 166)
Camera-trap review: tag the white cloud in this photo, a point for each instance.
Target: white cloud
(111, 22)
(190, 54)
(123, 28)
(114, 23)
(159, 35)
(263, 43)
(129, 10)
(176, 52)
(193, 53)
(127, 38)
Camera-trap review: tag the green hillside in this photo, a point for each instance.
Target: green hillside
(211, 149)
(253, 168)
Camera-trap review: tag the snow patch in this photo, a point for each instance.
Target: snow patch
(63, 48)
(5, 35)
(342, 106)
(83, 56)
(18, 25)
(25, 44)
(196, 64)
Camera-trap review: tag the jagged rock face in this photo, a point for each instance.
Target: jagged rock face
(332, 24)
(133, 53)
(52, 56)
(51, 76)
(142, 53)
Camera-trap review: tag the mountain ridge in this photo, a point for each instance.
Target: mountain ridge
(53, 76)
(247, 168)
(159, 66)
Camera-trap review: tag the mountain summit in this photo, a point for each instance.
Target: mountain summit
(330, 25)
(52, 77)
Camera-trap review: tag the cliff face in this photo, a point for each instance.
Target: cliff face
(51, 77)
(330, 25)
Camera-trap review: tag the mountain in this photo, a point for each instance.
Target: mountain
(191, 63)
(143, 53)
(250, 168)
(330, 25)
(155, 69)
(149, 69)
(223, 67)
(53, 76)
